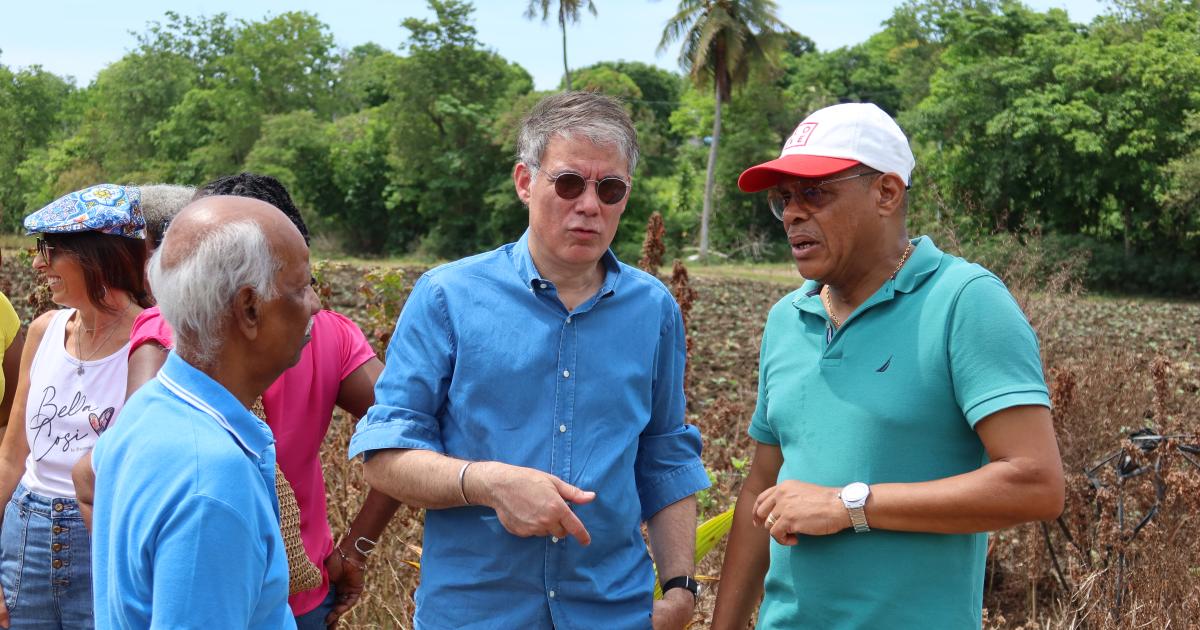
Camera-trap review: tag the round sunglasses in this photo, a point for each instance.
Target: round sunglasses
(610, 190)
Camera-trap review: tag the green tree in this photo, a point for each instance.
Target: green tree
(448, 95)
(568, 11)
(1041, 122)
(722, 41)
(33, 103)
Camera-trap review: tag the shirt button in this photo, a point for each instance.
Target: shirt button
(554, 539)
(56, 547)
(568, 320)
(57, 529)
(57, 564)
(566, 373)
(58, 507)
(562, 428)
(542, 285)
(551, 592)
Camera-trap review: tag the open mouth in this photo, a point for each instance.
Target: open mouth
(802, 244)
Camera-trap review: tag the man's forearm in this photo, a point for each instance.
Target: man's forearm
(420, 478)
(747, 557)
(999, 495)
(673, 539)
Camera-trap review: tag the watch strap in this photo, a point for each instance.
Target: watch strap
(858, 518)
(684, 582)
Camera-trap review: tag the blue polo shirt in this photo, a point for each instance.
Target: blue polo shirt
(186, 526)
(891, 396)
(487, 364)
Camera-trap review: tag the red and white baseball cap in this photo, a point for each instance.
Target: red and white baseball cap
(834, 139)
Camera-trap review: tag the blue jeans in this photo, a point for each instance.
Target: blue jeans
(315, 618)
(45, 563)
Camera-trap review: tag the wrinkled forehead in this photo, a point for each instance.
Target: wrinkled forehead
(566, 149)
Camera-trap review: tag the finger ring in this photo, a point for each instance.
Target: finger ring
(770, 520)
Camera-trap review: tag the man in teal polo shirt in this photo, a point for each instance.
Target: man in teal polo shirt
(902, 412)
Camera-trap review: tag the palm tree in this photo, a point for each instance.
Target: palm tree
(568, 11)
(722, 41)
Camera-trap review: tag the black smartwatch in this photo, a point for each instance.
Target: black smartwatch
(685, 582)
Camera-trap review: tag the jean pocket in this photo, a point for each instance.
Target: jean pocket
(12, 553)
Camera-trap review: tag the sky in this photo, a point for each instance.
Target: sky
(77, 38)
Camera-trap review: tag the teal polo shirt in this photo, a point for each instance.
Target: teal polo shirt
(891, 396)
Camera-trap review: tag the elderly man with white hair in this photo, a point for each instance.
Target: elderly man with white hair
(186, 531)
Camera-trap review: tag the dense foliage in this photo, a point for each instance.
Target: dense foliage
(1023, 122)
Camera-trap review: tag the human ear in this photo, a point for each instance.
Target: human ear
(523, 180)
(890, 195)
(247, 311)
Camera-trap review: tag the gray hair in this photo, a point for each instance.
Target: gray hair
(160, 204)
(196, 292)
(599, 118)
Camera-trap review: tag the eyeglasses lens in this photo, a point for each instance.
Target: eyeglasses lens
(569, 185)
(778, 202)
(610, 190)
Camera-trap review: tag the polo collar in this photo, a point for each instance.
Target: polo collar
(201, 392)
(523, 261)
(922, 262)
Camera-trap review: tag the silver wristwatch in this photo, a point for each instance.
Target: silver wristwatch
(854, 497)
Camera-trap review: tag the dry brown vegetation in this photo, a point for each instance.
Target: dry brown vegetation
(1115, 366)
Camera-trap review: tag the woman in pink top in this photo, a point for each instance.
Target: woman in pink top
(337, 368)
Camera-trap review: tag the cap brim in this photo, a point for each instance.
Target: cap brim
(768, 174)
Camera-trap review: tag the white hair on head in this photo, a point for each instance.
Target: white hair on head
(161, 202)
(196, 292)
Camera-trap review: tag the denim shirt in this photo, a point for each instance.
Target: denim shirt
(487, 364)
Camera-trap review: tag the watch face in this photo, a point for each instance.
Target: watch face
(855, 492)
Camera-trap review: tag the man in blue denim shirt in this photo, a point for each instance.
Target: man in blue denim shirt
(533, 403)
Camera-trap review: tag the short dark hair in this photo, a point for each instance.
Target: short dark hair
(260, 187)
(107, 261)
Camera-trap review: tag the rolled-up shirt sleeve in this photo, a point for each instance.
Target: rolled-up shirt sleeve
(413, 387)
(668, 466)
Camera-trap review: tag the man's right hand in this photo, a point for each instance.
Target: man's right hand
(529, 502)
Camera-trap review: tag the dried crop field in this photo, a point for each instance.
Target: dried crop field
(1115, 366)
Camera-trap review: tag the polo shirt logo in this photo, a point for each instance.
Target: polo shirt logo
(886, 365)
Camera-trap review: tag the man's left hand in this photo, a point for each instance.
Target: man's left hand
(795, 507)
(674, 610)
(348, 580)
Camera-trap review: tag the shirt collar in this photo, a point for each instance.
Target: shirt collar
(523, 261)
(922, 262)
(200, 391)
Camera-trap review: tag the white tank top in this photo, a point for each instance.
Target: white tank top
(66, 411)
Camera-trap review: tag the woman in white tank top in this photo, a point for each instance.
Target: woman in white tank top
(71, 388)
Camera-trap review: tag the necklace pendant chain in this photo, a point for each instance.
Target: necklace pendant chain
(112, 326)
(903, 259)
(837, 323)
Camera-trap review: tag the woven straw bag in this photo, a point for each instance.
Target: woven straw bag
(303, 575)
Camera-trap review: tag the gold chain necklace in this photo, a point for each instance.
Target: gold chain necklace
(837, 323)
(80, 359)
